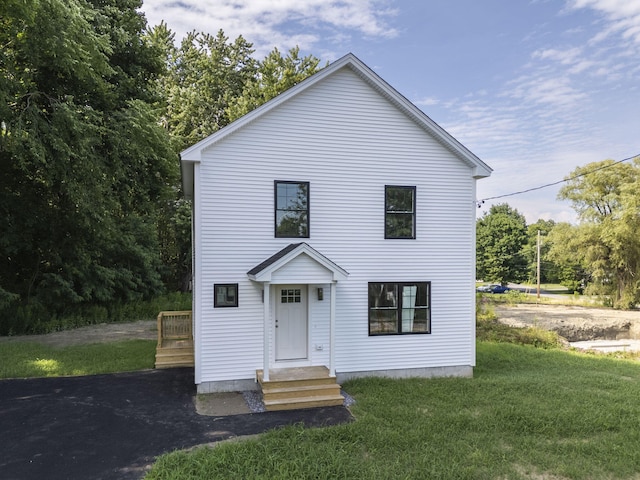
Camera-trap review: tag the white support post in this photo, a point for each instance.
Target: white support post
(332, 331)
(267, 330)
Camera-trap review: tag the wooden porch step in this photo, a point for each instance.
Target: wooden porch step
(301, 391)
(295, 388)
(301, 376)
(303, 402)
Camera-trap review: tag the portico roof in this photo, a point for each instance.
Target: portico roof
(263, 272)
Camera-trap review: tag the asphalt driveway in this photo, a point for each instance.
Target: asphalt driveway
(113, 426)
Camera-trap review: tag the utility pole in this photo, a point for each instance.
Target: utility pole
(538, 265)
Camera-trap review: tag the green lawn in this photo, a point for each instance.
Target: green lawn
(528, 413)
(28, 359)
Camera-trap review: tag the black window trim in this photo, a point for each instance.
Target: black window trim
(413, 233)
(217, 302)
(275, 208)
(399, 309)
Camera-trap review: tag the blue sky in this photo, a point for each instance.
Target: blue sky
(534, 88)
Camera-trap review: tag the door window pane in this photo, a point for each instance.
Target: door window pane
(290, 295)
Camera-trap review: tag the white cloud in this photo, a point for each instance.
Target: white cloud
(275, 23)
(426, 102)
(565, 57)
(622, 16)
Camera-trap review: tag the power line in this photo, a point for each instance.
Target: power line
(480, 202)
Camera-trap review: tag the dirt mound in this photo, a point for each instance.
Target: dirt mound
(573, 323)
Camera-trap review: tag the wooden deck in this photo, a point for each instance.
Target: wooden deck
(175, 340)
(295, 388)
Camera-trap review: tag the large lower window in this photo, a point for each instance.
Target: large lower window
(292, 209)
(399, 212)
(396, 308)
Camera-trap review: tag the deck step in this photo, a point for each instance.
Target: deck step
(174, 357)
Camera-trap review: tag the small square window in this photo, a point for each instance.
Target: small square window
(225, 295)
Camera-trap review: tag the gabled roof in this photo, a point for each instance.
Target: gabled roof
(263, 271)
(193, 154)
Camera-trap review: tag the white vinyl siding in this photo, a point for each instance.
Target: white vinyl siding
(348, 142)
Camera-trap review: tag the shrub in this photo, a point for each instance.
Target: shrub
(35, 319)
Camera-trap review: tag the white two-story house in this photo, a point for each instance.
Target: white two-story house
(333, 227)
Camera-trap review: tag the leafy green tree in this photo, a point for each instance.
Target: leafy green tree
(83, 161)
(606, 196)
(205, 74)
(275, 75)
(501, 235)
(566, 244)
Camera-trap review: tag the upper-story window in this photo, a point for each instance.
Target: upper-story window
(292, 209)
(399, 212)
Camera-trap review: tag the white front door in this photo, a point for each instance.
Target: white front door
(291, 322)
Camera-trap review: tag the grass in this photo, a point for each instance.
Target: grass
(527, 413)
(28, 359)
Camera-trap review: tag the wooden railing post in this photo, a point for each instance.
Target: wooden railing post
(160, 329)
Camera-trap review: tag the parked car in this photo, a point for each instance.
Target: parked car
(495, 288)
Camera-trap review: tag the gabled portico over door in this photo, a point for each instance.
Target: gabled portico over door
(295, 267)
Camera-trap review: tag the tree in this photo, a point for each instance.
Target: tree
(606, 196)
(275, 75)
(500, 236)
(83, 162)
(204, 76)
(566, 244)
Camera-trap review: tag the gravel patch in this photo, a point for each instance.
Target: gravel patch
(254, 401)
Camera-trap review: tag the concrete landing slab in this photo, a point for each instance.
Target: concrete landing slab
(221, 404)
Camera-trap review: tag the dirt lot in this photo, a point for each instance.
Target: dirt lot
(574, 323)
(105, 332)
